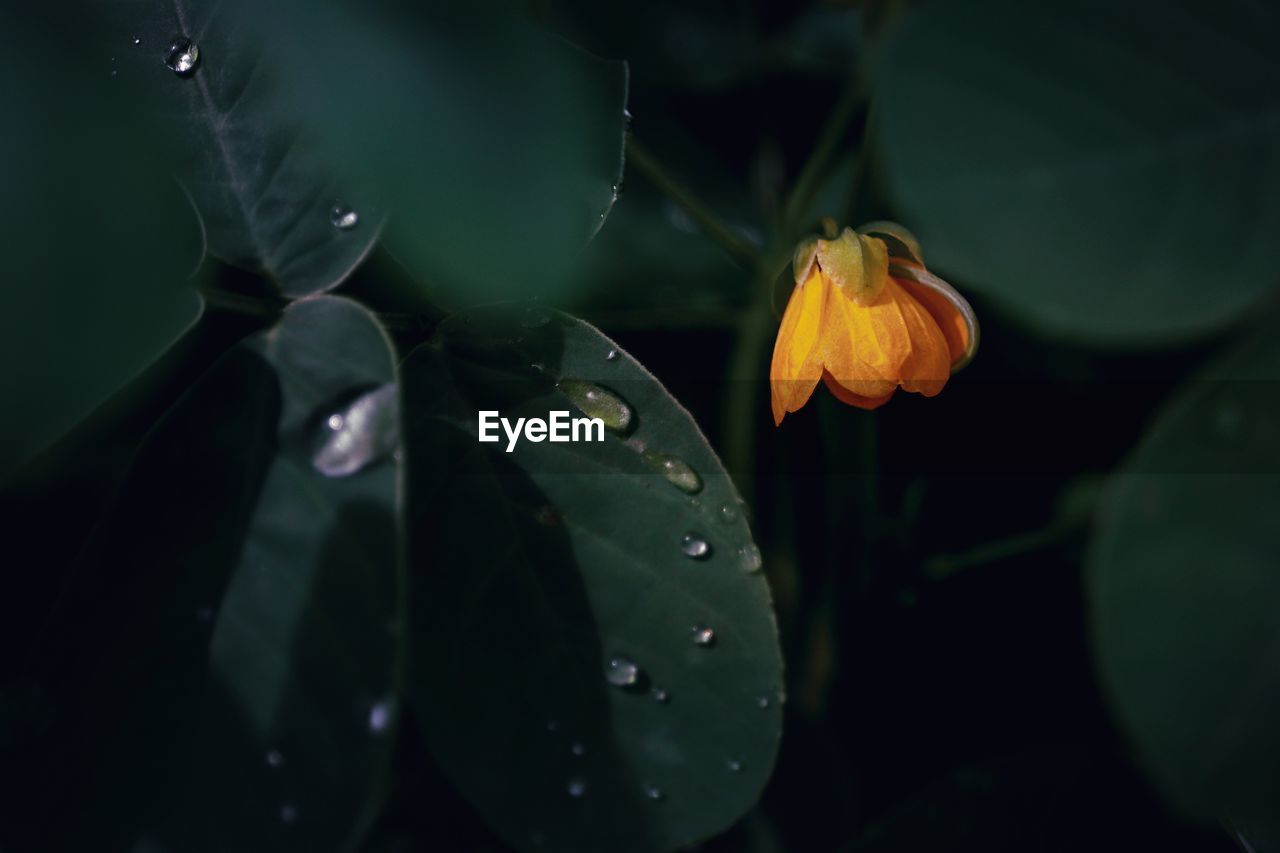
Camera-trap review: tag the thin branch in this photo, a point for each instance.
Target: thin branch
(742, 252)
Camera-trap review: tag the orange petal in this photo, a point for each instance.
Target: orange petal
(864, 345)
(797, 358)
(846, 396)
(949, 318)
(928, 367)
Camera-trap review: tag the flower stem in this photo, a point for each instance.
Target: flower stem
(742, 252)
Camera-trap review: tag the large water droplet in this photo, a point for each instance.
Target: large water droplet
(576, 787)
(182, 56)
(380, 716)
(703, 636)
(693, 545)
(675, 470)
(597, 402)
(363, 433)
(622, 672)
(750, 558)
(344, 217)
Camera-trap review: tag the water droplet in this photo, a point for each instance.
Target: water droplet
(576, 787)
(728, 514)
(343, 216)
(675, 470)
(694, 546)
(611, 355)
(750, 558)
(274, 758)
(654, 793)
(578, 749)
(734, 765)
(660, 695)
(622, 672)
(534, 318)
(366, 431)
(762, 702)
(380, 716)
(703, 636)
(182, 56)
(596, 402)
(137, 41)
(288, 813)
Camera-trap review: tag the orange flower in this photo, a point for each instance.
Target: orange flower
(866, 317)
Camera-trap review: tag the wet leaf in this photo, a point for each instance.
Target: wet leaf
(271, 198)
(596, 662)
(224, 670)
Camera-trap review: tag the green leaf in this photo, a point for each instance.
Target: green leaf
(226, 666)
(542, 574)
(1184, 582)
(498, 146)
(265, 187)
(97, 244)
(1108, 172)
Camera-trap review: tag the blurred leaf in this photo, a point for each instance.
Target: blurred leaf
(1184, 582)
(1109, 171)
(97, 243)
(257, 176)
(546, 572)
(498, 146)
(225, 663)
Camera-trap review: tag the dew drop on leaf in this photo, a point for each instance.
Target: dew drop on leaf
(344, 217)
(365, 432)
(694, 546)
(611, 355)
(182, 56)
(596, 402)
(750, 558)
(728, 514)
(675, 470)
(622, 672)
(703, 636)
(380, 716)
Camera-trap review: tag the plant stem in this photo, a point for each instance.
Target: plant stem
(806, 185)
(756, 327)
(742, 252)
